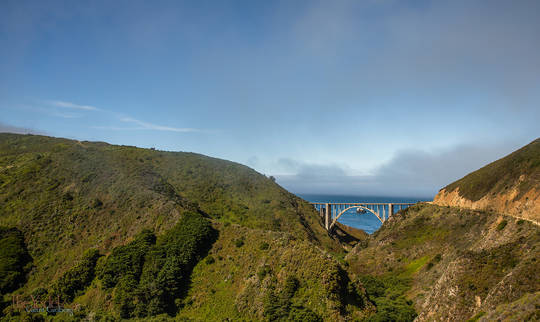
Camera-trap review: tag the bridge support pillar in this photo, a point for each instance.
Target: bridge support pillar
(328, 216)
(390, 211)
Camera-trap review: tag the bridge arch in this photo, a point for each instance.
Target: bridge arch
(328, 210)
(353, 207)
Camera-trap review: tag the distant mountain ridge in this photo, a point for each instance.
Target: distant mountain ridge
(510, 185)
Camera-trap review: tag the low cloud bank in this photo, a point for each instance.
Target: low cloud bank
(4, 128)
(410, 173)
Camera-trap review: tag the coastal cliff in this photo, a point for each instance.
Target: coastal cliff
(525, 207)
(509, 186)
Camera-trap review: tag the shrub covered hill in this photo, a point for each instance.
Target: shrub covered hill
(456, 263)
(118, 232)
(510, 185)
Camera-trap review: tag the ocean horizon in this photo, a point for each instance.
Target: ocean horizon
(367, 222)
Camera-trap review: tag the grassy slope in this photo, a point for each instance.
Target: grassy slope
(502, 175)
(237, 280)
(461, 262)
(246, 267)
(67, 196)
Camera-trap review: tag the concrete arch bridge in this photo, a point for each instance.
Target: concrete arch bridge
(331, 211)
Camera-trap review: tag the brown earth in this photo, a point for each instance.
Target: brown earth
(527, 206)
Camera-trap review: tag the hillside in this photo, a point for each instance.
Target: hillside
(455, 264)
(118, 232)
(510, 185)
(125, 232)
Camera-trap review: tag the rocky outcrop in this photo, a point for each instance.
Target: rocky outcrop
(510, 185)
(526, 206)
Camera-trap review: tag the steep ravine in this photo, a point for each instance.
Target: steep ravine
(461, 263)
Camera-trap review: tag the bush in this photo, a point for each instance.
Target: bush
(388, 295)
(239, 242)
(73, 282)
(150, 276)
(97, 203)
(291, 286)
(303, 314)
(15, 261)
(263, 271)
(437, 258)
(398, 309)
(264, 246)
(278, 305)
(501, 225)
(128, 259)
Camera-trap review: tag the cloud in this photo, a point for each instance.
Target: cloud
(410, 173)
(140, 125)
(67, 115)
(73, 106)
(150, 126)
(5, 128)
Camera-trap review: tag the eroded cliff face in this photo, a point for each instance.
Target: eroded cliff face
(524, 206)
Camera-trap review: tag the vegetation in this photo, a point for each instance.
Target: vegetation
(436, 259)
(520, 169)
(183, 236)
(477, 316)
(68, 196)
(278, 305)
(502, 224)
(388, 295)
(15, 261)
(78, 278)
(239, 242)
(487, 267)
(283, 282)
(149, 275)
(427, 252)
(126, 261)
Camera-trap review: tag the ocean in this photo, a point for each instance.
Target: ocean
(367, 222)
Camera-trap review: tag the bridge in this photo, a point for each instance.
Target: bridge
(330, 211)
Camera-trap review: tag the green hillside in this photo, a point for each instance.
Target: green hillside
(502, 175)
(123, 232)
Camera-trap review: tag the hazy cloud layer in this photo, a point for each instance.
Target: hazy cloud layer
(4, 128)
(412, 173)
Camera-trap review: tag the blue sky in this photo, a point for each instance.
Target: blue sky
(359, 97)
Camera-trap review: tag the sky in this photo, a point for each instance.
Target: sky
(372, 97)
